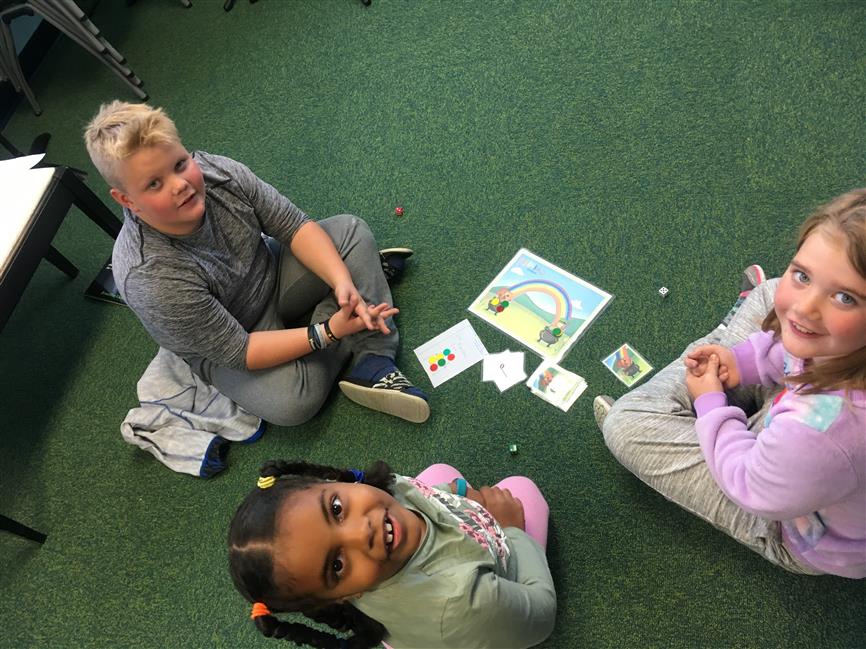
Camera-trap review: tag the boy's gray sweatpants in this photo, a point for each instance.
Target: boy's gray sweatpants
(291, 393)
(651, 431)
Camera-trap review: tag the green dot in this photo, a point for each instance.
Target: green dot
(442, 362)
(557, 332)
(504, 303)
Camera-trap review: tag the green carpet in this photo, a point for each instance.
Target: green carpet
(634, 144)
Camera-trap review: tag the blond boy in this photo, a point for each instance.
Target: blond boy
(194, 265)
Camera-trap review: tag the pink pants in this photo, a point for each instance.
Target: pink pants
(535, 509)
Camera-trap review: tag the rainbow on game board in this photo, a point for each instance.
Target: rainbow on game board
(439, 360)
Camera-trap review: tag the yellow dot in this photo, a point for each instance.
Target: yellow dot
(494, 301)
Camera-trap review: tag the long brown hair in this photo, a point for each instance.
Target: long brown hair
(843, 217)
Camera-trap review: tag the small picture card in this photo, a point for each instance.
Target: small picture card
(556, 385)
(451, 352)
(627, 364)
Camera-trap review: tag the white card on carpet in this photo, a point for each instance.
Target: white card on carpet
(504, 384)
(505, 369)
(451, 352)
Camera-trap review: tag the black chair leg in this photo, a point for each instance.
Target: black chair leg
(15, 527)
(11, 148)
(39, 145)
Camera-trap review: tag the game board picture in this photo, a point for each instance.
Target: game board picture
(540, 305)
(556, 385)
(627, 364)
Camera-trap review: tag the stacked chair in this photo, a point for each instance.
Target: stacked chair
(67, 17)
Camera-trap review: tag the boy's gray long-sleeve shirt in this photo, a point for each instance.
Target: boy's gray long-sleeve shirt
(469, 584)
(198, 295)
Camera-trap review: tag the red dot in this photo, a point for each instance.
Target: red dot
(499, 309)
(434, 367)
(450, 357)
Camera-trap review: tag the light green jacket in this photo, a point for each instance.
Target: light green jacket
(469, 584)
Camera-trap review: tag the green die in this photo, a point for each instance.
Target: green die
(513, 449)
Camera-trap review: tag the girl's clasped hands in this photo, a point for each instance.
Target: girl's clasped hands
(711, 368)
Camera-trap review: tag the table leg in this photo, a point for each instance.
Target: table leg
(60, 262)
(15, 527)
(89, 203)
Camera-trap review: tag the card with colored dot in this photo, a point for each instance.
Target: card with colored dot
(451, 352)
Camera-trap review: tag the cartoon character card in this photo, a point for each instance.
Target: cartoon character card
(540, 305)
(627, 365)
(556, 385)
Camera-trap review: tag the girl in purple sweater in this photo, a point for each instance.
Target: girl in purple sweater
(775, 452)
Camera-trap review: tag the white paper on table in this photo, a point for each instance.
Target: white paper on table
(21, 190)
(21, 163)
(504, 369)
(451, 352)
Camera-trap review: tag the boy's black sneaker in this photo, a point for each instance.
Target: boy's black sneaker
(394, 262)
(376, 383)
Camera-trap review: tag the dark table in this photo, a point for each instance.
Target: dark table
(33, 204)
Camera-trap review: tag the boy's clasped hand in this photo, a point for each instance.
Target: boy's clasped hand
(355, 315)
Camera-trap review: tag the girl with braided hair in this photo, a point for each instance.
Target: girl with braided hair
(417, 562)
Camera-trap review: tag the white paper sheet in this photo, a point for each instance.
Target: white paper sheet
(451, 352)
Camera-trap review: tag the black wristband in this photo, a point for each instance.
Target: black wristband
(328, 332)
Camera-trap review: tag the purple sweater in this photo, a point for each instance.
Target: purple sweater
(807, 468)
